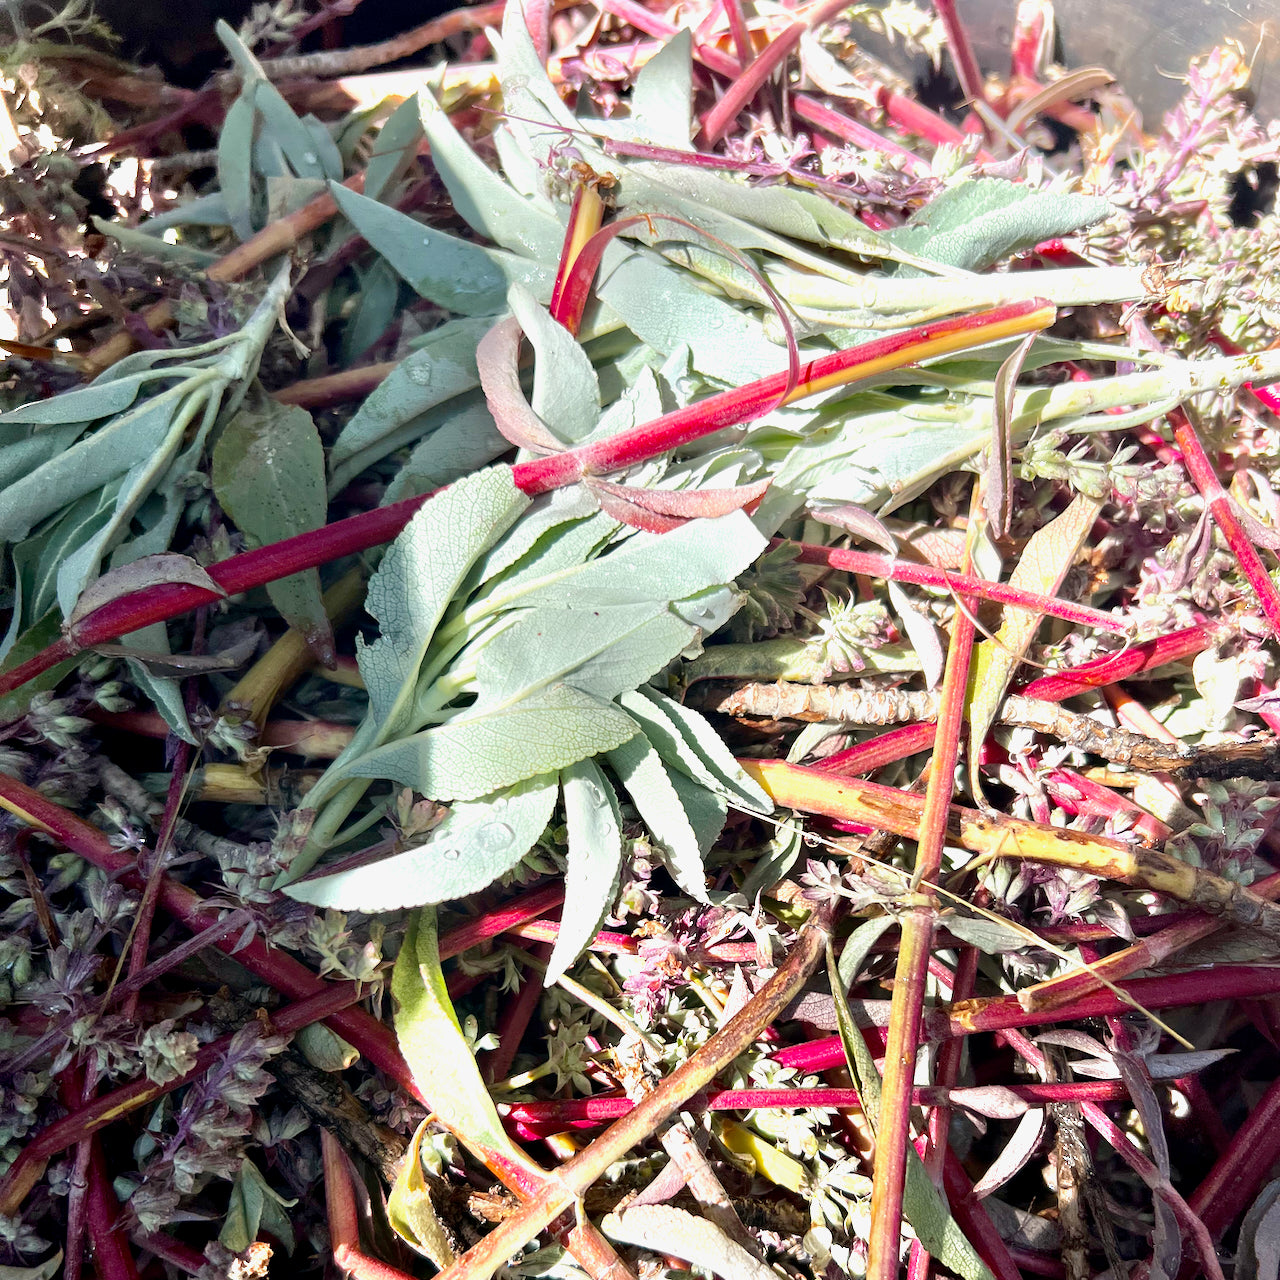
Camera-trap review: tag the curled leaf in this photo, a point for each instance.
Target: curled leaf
(148, 571)
(661, 510)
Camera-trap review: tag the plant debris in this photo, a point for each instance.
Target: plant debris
(539, 588)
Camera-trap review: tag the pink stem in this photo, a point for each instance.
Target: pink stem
(1177, 646)
(108, 1107)
(745, 86)
(1206, 480)
(974, 1221)
(999, 1013)
(871, 565)
(489, 925)
(884, 749)
(961, 50)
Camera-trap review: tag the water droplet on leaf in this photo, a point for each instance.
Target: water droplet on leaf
(451, 855)
(494, 837)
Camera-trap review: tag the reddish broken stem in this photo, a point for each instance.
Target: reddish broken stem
(1206, 480)
(1177, 646)
(999, 1013)
(372, 528)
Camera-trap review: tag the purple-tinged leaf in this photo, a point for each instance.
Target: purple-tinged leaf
(137, 575)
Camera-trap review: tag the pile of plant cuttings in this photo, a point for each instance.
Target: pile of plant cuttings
(630, 651)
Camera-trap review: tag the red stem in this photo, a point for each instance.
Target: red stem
(529, 906)
(1206, 480)
(1177, 646)
(961, 50)
(359, 533)
(999, 1013)
(1234, 1180)
(884, 749)
(975, 1222)
(870, 565)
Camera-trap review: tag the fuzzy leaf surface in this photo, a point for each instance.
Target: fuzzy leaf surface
(497, 745)
(268, 474)
(432, 1042)
(418, 577)
(475, 844)
(653, 792)
(595, 861)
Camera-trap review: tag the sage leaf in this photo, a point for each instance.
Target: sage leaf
(662, 100)
(268, 474)
(481, 196)
(453, 273)
(411, 1208)
(255, 1206)
(566, 392)
(432, 1042)
(138, 574)
(653, 792)
(418, 577)
(493, 746)
(474, 845)
(1045, 561)
(669, 566)
(595, 861)
(974, 224)
(443, 367)
(704, 756)
(395, 150)
(601, 651)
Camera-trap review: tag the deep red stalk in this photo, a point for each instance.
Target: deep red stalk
(33, 1050)
(73, 1093)
(528, 906)
(905, 112)
(1234, 1180)
(167, 1249)
(906, 1014)
(884, 749)
(1206, 480)
(871, 565)
(673, 430)
(290, 977)
(1097, 1119)
(86, 1120)
(961, 50)
(1205, 1119)
(606, 941)
(558, 1111)
(1177, 646)
(738, 29)
(113, 1258)
(975, 1222)
(999, 1013)
(911, 117)
(1145, 954)
(512, 1024)
(845, 129)
(1024, 47)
